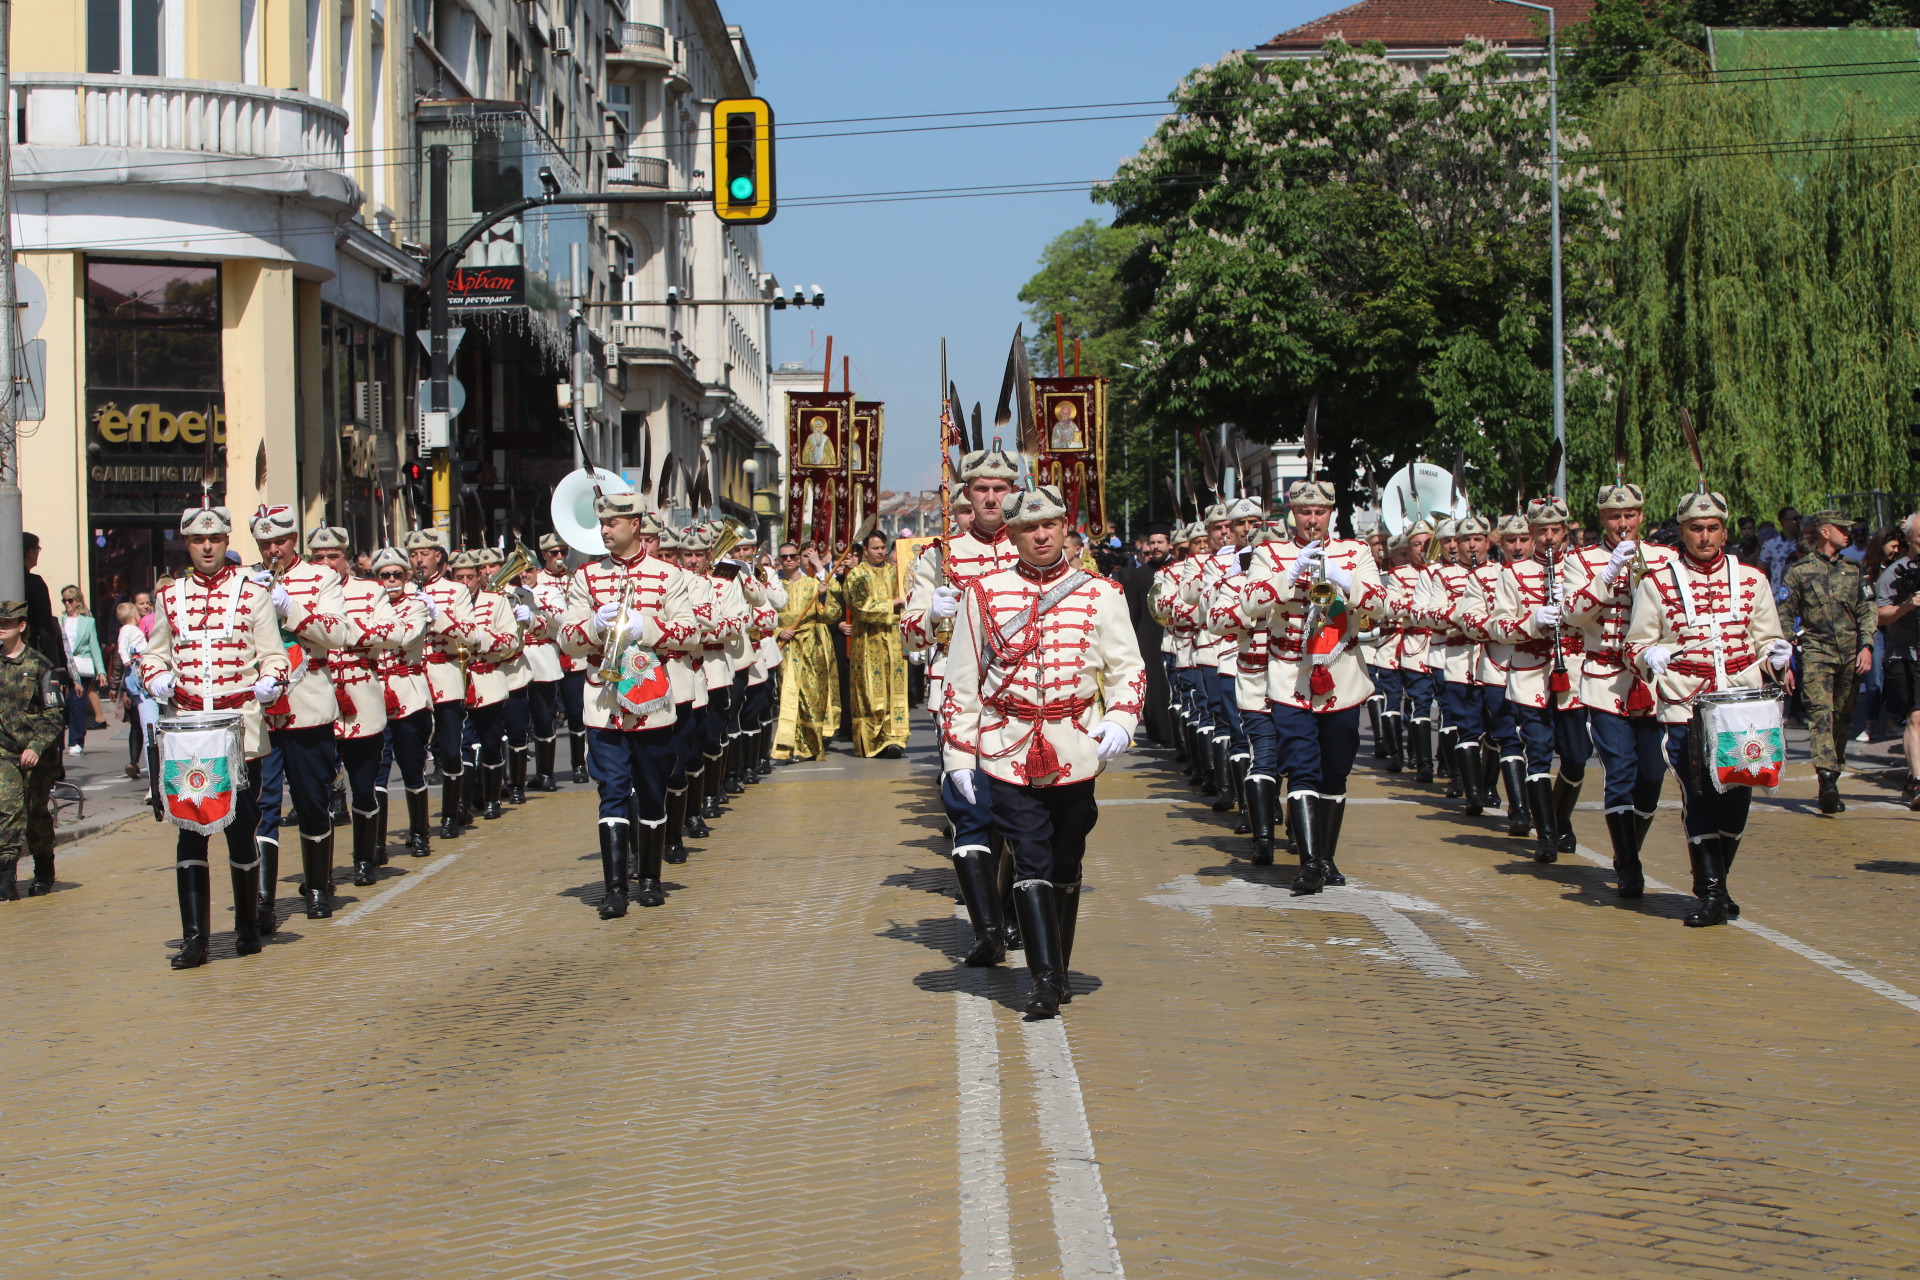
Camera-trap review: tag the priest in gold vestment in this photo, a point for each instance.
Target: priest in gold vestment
(809, 684)
(876, 661)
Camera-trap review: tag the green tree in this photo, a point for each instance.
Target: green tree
(1345, 229)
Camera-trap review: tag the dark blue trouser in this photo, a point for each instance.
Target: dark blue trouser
(689, 727)
(1263, 741)
(1707, 812)
(631, 768)
(518, 724)
(972, 823)
(489, 726)
(407, 741)
(1496, 720)
(543, 708)
(573, 694)
(303, 761)
(736, 706)
(1386, 683)
(1463, 709)
(449, 728)
(1316, 749)
(1421, 687)
(1547, 732)
(713, 737)
(1199, 706)
(361, 759)
(1046, 828)
(1225, 706)
(753, 712)
(1631, 751)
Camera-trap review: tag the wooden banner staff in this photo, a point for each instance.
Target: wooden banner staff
(1060, 342)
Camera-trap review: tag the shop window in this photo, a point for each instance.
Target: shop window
(153, 325)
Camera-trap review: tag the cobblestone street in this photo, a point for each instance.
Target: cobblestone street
(1463, 1064)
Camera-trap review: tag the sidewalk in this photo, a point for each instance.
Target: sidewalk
(109, 796)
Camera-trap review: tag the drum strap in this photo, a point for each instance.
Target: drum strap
(1682, 586)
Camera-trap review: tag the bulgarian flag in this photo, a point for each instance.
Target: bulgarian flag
(1327, 642)
(1745, 745)
(197, 780)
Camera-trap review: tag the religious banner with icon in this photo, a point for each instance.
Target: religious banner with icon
(1071, 446)
(863, 458)
(820, 438)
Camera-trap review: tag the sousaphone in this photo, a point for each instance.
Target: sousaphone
(572, 508)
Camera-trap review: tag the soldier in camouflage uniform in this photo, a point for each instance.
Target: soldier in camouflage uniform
(1826, 592)
(32, 716)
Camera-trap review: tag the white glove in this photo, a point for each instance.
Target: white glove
(266, 691)
(638, 623)
(161, 687)
(1228, 558)
(1618, 561)
(946, 602)
(1110, 740)
(1303, 566)
(962, 780)
(1546, 617)
(603, 618)
(1657, 657)
(1779, 654)
(522, 614)
(433, 606)
(1340, 578)
(261, 577)
(282, 601)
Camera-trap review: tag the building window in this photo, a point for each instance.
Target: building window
(125, 37)
(153, 325)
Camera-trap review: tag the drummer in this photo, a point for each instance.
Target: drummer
(1707, 624)
(216, 648)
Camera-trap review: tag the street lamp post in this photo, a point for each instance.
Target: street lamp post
(1553, 171)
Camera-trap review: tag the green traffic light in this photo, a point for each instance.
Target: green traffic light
(741, 188)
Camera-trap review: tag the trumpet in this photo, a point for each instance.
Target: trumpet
(508, 573)
(613, 647)
(1321, 592)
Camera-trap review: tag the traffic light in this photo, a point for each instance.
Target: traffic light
(743, 161)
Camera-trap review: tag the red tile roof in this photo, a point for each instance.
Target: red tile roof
(1415, 24)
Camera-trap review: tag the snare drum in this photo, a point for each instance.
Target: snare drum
(1739, 738)
(203, 768)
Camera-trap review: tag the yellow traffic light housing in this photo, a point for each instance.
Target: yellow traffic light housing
(743, 161)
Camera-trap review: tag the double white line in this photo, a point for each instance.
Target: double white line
(1082, 1226)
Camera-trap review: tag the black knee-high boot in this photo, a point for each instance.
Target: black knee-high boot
(246, 903)
(1395, 726)
(1260, 801)
(613, 869)
(1040, 926)
(1466, 776)
(980, 892)
(649, 845)
(1303, 824)
(577, 752)
(1066, 898)
(493, 778)
(1632, 881)
(1490, 772)
(1729, 846)
(1333, 812)
(1565, 796)
(543, 766)
(1443, 759)
(676, 850)
(1710, 878)
(1422, 731)
(449, 806)
(696, 800)
(517, 774)
(1222, 749)
(1540, 800)
(1003, 877)
(190, 885)
(363, 827)
(1377, 721)
(419, 823)
(380, 799)
(266, 912)
(1513, 769)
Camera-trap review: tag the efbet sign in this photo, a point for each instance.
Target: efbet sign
(153, 424)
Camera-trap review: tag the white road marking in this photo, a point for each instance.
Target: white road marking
(385, 896)
(1878, 986)
(1082, 1224)
(1380, 907)
(986, 1241)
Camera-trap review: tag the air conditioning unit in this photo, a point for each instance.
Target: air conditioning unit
(562, 41)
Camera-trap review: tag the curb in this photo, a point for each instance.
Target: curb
(87, 828)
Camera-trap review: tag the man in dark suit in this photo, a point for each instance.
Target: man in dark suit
(1138, 583)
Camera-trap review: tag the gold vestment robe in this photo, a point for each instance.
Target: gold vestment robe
(876, 660)
(809, 684)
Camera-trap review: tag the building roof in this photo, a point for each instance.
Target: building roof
(1425, 24)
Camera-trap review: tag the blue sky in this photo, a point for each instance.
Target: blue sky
(898, 276)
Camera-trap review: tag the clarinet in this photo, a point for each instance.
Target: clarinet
(1559, 682)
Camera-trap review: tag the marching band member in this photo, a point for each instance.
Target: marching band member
(1705, 623)
(1226, 612)
(448, 636)
(547, 667)
(1379, 647)
(765, 597)
(216, 647)
(1316, 683)
(555, 579)
(300, 725)
(629, 597)
(1032, 648)
(984, 872)
(494, 642)
(1183, 625)
(1443, 600)
(1417, 685)
(1226, 535)
(1546, 705)
(360, 731)
(1442, 551)
(686, 783)
(721, 613)
(409, 699)
(1620, 707)
(1500, 739)
(518, 620)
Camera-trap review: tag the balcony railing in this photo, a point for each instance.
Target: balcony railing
(642, 35)
(179, 115)
(643, 343)
(640, 171)
(643, 43)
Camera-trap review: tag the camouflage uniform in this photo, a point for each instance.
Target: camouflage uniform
(1827, 594)
(32, 716)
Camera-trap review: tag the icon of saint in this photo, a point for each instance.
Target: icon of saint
(818, 450)
(1066, 433)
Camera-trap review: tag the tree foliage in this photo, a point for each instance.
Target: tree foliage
(1346, 229)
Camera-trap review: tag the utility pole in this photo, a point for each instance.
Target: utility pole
(577, 363)
(446, 462)
(1553, 172)
(13, 569)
